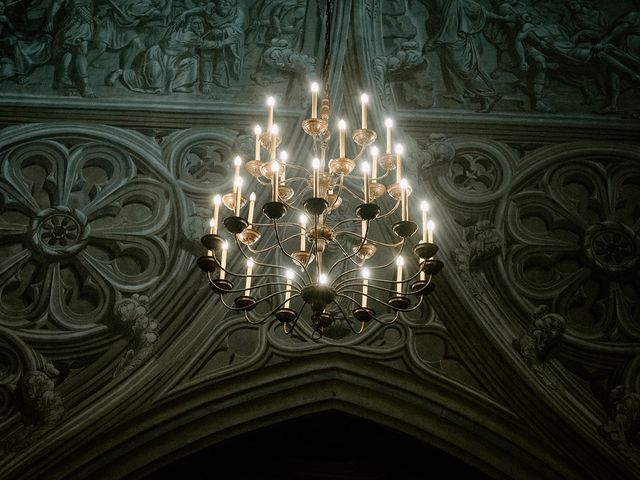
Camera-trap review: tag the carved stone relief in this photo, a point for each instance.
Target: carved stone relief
(88, 235)
(562, 240)
(185, 49)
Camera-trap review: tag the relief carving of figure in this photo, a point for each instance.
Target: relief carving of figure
(456, 43)
(171, 65)
(221, 56)
(622, 43)
(544, 48)
(74, 32)
(277, 26)
(118, 27)
(404, 64)
(19, 53)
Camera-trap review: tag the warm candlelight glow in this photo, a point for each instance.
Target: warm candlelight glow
(302, 220)
(374, 163)
(238, 198)
(404, 204)
(364, 99)
(365, 286)
(430, 228)
(247, 283)
(315, 163)
(342, 126)
(237, 161)
(212, 224)
(257, 131)
(399, 151)
(322, 279)
(424, 207)
(400, 264)
(365, 178)
(275, 181)
(223, 260)
(252, 203)
(216, 210)
(273, 130)
(388, 123)
(287, 292)
(314, 99)
(270, 103)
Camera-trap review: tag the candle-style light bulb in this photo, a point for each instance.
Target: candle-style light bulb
(217, 199)
(374, 163)
(252, 204)
(365, 286)
(342, 127)
(399, 264)
(302, 220)
(404, 203)
(270, 103)
(275, 181)
(237, 161)
(424, 208)
(247, 283)
(364, 100)
(315, 163)
(365, 178)
(287, 292)
(273, 130)
(238, 197)
(223, 260)
(258, 132)
(322, 280)
(314, 99)
(284, 156)
(430, 228)
(399, 151)
(388, 123)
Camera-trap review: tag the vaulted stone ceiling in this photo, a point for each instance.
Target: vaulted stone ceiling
(121, 119)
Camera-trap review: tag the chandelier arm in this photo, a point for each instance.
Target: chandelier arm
(304, 267)
(376, 267)
(348, 256)
(347, 318)
(295, 321)
(403, 310)
(369, 240)
(265, 317)
(382, 322)
(264, 183)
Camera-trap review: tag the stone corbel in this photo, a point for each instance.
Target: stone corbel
(622, 427)
(132, 316)
(536, 345)
(28, 389)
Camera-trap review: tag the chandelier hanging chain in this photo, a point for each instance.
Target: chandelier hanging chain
(327, 48)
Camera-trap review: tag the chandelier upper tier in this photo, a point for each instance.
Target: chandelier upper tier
(307, 251)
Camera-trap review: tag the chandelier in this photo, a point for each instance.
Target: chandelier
(307, 251)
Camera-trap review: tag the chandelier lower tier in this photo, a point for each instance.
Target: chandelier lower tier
(308, 253)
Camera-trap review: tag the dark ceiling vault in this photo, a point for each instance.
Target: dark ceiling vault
(121, 119)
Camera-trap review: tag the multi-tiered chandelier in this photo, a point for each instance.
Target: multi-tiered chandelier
(286, 254)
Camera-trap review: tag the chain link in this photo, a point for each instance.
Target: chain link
(327, 48)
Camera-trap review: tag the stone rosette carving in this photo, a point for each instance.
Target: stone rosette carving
(575, 246)
(132, 315)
